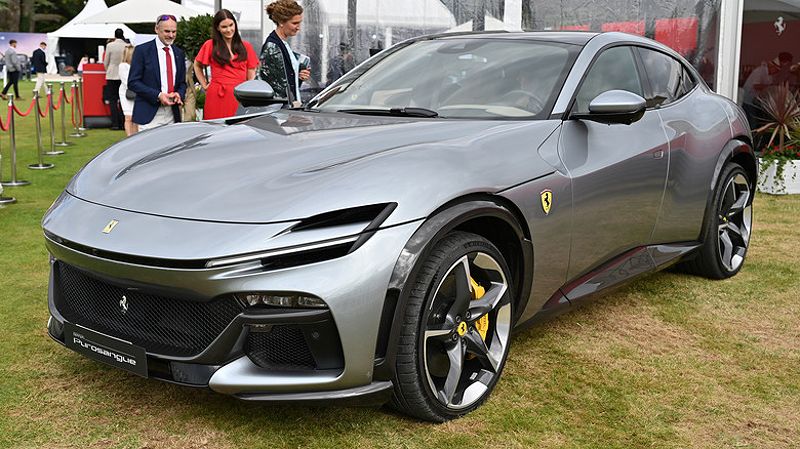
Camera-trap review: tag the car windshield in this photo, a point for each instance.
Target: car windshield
(456, 78)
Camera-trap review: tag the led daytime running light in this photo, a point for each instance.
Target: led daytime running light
(288, 300)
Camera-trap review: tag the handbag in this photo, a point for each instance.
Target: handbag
(130, 95)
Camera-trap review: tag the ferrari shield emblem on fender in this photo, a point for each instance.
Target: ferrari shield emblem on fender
(547, 200)
(110, 226)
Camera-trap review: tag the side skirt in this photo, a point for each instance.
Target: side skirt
(612, 274)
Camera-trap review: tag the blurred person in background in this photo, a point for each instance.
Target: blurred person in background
(125, 102)
(232, 62)
(111, 60)
(39, 63)
(13, 68)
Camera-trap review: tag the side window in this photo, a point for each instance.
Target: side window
(615, 68)
(669, 80)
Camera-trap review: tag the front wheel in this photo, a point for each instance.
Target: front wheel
(456, 329)
(726, 235)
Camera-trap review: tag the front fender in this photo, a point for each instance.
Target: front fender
(419, 247)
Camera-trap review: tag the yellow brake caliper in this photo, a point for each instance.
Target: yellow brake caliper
(482, 325)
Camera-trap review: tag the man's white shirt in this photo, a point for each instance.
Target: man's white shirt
(162, 64)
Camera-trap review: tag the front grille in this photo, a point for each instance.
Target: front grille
(282, 348)
(162, 325)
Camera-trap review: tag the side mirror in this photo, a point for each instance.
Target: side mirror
(615, 106)
(256, 93)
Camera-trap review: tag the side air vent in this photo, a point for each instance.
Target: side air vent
(366, 214)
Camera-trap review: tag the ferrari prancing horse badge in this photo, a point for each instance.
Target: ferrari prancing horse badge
(547, 200)
(110, 226)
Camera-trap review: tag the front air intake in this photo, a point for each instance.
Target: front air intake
(162, 325)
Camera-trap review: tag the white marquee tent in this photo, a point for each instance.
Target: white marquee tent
(75, 29)
(140, 11)
(490, 24)
(247, 11)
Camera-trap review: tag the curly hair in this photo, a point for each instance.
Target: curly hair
(281, 11)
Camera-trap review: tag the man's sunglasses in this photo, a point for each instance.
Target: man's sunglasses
(166, 17)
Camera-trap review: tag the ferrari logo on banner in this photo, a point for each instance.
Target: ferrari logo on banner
(110, 226)
(547, 200)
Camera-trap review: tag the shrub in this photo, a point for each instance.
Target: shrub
(192, 33)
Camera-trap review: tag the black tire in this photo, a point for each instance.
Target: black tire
(719, 258)
(425, 342)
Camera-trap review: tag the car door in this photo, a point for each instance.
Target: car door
(618, 171)
(697, 127)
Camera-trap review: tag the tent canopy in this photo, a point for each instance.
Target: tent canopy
(490, 24)
(406, 13)
(140, 11)
(248, 12)
(76, 27)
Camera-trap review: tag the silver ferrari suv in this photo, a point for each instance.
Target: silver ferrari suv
(381, 244)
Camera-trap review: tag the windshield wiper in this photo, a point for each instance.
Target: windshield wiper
(395, 112)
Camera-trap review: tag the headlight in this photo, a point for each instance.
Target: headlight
(288, 300)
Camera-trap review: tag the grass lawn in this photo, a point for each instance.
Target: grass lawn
(670, 361)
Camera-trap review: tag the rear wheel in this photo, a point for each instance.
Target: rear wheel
(456, 329)
(726, 235)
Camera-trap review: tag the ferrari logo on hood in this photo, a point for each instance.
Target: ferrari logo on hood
(547, 200)
(110, 226)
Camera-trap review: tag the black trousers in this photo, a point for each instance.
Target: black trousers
(117, 118)
(13, 79)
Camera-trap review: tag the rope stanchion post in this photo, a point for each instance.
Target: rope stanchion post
(37, 112)
(81, 108)
(61, 103)
(13, 182)
(4, 199)
(50, 112)
(75, 105)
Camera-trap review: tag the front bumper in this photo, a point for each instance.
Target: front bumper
(243, 379)
(353, 287)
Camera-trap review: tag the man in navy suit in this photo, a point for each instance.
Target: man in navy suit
(158, 76)
(39, 62)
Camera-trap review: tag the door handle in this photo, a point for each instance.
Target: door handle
(658, 154)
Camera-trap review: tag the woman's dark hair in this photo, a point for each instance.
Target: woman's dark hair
(282, 11)
(221, 54)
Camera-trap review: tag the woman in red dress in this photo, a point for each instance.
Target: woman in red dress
(232, 62)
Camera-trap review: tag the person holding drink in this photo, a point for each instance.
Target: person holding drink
(232, 60)
(282, 68)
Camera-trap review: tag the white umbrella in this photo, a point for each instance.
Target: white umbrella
(141, 11)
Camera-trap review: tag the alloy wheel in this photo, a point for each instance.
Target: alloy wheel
(735, 219)
(466, 332)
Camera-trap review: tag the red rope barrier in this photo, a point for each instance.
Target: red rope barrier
(72, 115)
(58, 102)
(25, 114)
(44, 114)
(8, 120)
(69, 100)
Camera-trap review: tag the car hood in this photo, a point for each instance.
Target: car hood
(292, 164)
